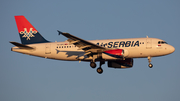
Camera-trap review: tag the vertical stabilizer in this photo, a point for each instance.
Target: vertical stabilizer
(28, 34)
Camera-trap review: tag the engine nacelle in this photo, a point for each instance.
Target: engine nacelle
(127, 63)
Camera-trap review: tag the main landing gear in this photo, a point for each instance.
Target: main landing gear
(93, 64)
(149, 60)
(99, 70)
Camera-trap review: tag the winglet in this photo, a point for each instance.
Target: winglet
(63, 33)
(59, 32)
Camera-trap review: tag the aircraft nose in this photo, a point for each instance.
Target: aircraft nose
(172, 49)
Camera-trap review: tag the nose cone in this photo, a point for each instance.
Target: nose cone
(171, 49)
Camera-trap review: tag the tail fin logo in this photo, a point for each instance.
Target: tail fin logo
(27, 34)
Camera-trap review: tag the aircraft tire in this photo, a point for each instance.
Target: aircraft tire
(99, 70)
(93, 64)
(150, 65)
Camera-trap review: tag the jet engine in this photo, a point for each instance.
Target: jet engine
(127, 63)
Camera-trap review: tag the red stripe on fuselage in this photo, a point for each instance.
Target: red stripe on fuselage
(115, 52)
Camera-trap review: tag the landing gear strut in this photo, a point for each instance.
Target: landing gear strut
(149, 60)
(100, 70)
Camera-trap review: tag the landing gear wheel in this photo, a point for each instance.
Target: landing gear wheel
(150, 65)
(93, 64)
(99, 70)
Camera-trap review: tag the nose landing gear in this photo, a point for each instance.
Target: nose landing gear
(149, 60)
(150, 65)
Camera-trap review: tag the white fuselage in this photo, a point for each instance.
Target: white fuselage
(133, 48)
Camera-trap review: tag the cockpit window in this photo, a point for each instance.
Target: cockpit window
(162, 42)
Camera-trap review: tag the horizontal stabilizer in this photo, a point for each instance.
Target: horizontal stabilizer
(21, 45)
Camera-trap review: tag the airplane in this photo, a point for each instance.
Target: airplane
(118, 53)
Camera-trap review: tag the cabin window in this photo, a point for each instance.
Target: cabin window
(162, 42)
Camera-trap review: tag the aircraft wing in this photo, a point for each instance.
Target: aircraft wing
(87, 46)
